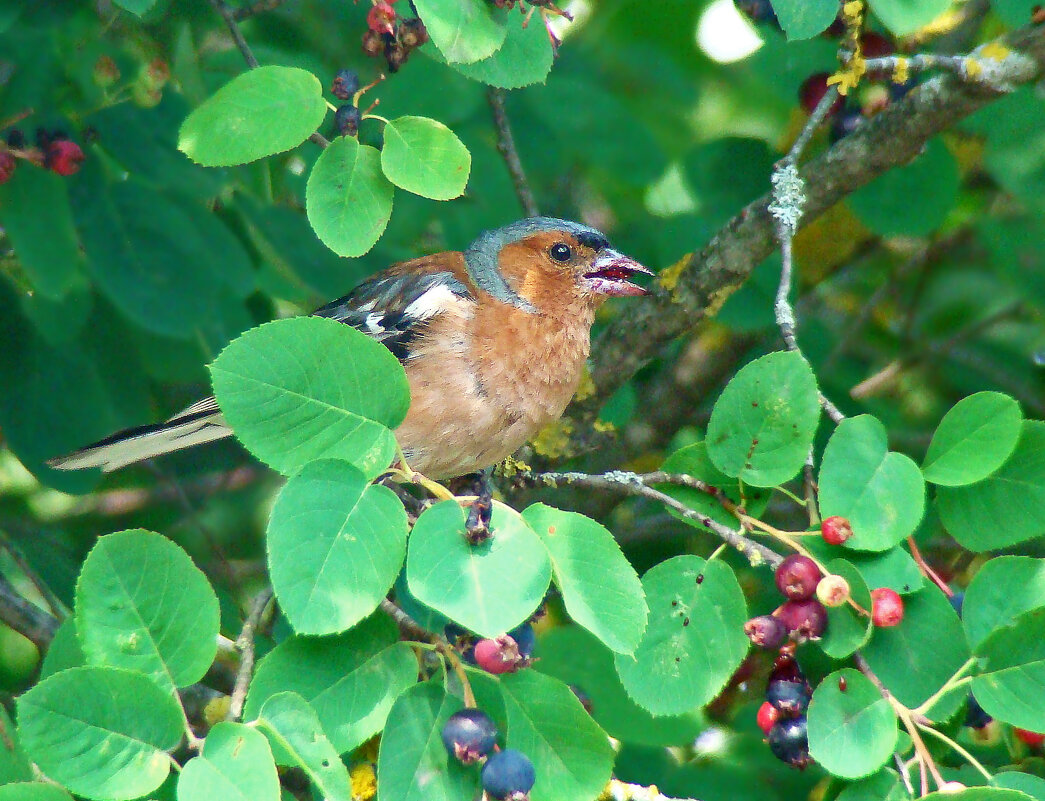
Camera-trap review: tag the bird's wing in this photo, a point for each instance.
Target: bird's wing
(393, 308)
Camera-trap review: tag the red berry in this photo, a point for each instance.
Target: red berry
(886, 607)
(63, 157)
(797, 577)
(7, 166)
(499, 655)
(874, 45)
(835, 530)
(804, 620)
(812, 91)
(767, 716)
(381, 18)
(1032, 738)
(765, 631)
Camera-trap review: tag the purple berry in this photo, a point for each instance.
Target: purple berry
(345, 84)
(347, 119)
(508, 776)
(797, 577)
(804, 620)
(469, 735)
(765, 631)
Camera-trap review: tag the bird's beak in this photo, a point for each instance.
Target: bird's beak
(609, 274)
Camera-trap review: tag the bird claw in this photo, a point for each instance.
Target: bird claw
(477, 528)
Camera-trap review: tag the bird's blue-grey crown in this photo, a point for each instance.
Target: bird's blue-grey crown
(481, 257)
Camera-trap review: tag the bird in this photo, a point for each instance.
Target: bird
(493, 340)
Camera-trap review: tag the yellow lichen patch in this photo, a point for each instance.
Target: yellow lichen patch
(852, 10)
(586, 388)
(364, 782)
(901, 72)
(553, 441)
(973, 69)
(510, 466)
(216, 710)
(603, 427)
(669, 277)
(718, 297)
(996, 51)
(849, 76)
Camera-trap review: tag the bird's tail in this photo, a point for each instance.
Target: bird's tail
(201, 422)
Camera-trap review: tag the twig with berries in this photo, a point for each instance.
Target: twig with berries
(392, 36)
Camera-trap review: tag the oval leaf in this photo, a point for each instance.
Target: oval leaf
(101, 732)
(882, 493)
(348, 199)
(235, 765)
(264, 111)
(307, 388)
(1004, 588)
(1006, 508)
(350, 679)
(488, 588)
(847, 629)
(423, 156)
(599, 586)
(33, 791)
(802, 19)
(524, 59)
(696, 609)
(973, 440)
(335, 545)
(142, 604)
(463, 30)
(1013, 671)
(851, 733)
(763, 423)
(904, 16)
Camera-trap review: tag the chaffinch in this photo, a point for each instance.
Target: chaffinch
(493, 341)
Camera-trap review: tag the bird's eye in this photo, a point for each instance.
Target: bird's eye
(561, 252)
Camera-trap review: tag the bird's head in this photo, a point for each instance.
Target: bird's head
(529, 262)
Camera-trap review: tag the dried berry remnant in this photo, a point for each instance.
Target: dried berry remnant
(508, 776)
(766, 631)
(347, 118)
(345, 84)
(396, 56)
(767, 717)
(469, 735)
(412, 33)
(804, 620)
(63, 157)
(886, 607)
(373, 44)
(788, 740)
(832, 591)
(836, 530)
(797, 577)
(7, 166)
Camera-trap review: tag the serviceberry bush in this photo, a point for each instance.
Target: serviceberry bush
(786, 543)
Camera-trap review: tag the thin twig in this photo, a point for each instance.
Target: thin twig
(53, 602)
(25, 617)
(245, 646)
(634, 484)
(506, 147)
(229, 16)
(258, 7)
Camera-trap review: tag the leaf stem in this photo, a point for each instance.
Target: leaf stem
(953, 745)
(958, 679)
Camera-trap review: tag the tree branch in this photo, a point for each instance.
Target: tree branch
(26, 618)
(245, 646)
(698, 285)
(506, 147)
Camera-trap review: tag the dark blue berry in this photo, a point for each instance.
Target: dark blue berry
(789, 697)
(525, 639)
(975, 717)
(346, 84)
(788, 741)
(508, 775)
(469, 735)
(956, 602)
(347, 119)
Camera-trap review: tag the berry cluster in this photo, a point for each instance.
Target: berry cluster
(390, 35)
(470, 736)
(53, 150)
(782, 717)
(801, 616)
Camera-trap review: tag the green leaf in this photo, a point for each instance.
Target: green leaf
(847, 630)
(1014, 13)
(573, 655)
(264, 111)
(570, 753)
(423, 156)
(881, 493)
(1004, 588)
(851, 733)
(33, 791)
(693, 460)
(348, 199)
(14, 765)
(906, 16)
(912, 200)
(978, 794)
(101, 732)
(46, 245)
(802, 19)
(600, 588)
(412, 763)
(291, 725)
(1006, 508)
(915, 658)
(1034, 786)
(350, 679)
(468, 583)
(696, 609)
(235, 765)
(138, 7)
(142, 604)
(309, 388)
(335, 545)
(464, 30)
(894, 568)
(524, 59)
(1012, 671)
(882, 786)
(763, 423)
(973, 440)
